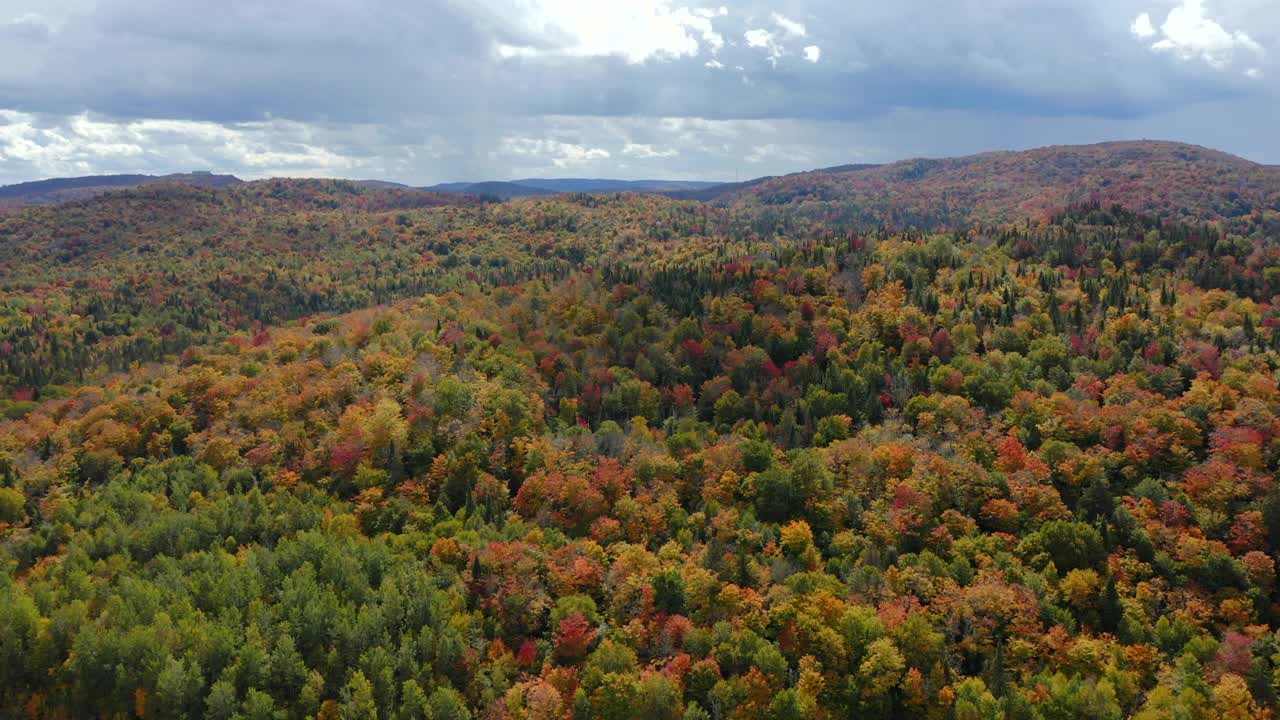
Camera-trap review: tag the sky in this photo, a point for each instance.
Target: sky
(427, 91)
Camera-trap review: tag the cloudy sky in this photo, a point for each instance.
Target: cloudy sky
(424, 91)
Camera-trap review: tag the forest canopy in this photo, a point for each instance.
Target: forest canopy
(306, 449)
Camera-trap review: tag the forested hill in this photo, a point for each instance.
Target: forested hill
(149, 270)
(47, 192)
(1171, 180)
(305, 450)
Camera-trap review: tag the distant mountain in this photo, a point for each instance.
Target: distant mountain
(452, 187)
(605, 185)
(711, 192)
(504, 190)
(382, 185)
(1170, 179)
(548, 186)
(48, 192)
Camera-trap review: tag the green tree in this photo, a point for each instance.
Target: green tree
(357, 699)
(669, 592)
(258, 705)
(446, 704)
(179, 688)
(221, 704)
(12, 506)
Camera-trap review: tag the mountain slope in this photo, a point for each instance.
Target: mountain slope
(504, 190)
(56, 190)
(539, 186)
(1165, 178)
(711, 193)
(579, 455)
(606, 185)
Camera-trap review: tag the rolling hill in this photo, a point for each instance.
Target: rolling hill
(48, 192)
(548, 186)
(605, 185)
(504, 190)
(330, 449)
(1166, 178)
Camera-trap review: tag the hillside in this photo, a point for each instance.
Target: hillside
(1168, 179)
(606, 185)
(46, 192)
(536, 186)
(146, 272)
(503, 190)
(717, 191)
(303, 449)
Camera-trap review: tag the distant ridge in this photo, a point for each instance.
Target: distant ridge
(606, 185)
(1170, 179)
(504, 190)
(715, 191)
(382, 185)
(548, 186)
(1165, 178)
(56, 190)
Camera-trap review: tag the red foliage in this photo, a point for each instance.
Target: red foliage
(574, 637)
(528, 654)
(345, 457)
(1235, 654)
(570, 501)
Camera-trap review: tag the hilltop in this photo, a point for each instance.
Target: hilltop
(530, 187)
(57, 190)
(1166, 178)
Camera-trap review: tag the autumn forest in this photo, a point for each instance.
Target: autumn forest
(993, 437)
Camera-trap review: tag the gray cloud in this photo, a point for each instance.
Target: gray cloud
(446, 89)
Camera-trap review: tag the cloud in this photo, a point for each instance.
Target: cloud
(761, 38)
(381, 60)
(429, 90)
(758, 38)
(638, 30)
(797, 155)
(32, 147)
(789, 26)
(557, 154)
(1190, 34)
(773, 42)
(1142, 26)
(31, 27)
(647, 152)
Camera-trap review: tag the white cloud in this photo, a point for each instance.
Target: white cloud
(638, 30)
(761, 38)
(559, 154)
(773, 43)
(32, 147)
(1188, 33)
(789, 26)
(647, 152)
(797, 155)
(709, 13)
(1253, 73)
(1142, 26)
(758, 38)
